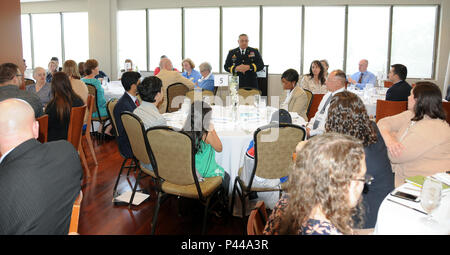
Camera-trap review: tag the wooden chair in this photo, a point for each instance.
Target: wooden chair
(310, 99)
(314, 105)
(388, 84)
(43, 128)
(446, 106)
(74, 219)
(86, 133)
(135, 130)
(174, 162)
(257, 219)
(389, 108)
(199, 94)
(93, 91)
(74, 132)
(272, 159)
(173, 91)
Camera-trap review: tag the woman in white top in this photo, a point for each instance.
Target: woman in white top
(315, 80)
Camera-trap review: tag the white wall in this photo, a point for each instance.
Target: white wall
(102, 24)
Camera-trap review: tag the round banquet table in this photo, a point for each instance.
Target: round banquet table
(234, 135)
(113, 89)
(370, 97)
(395, 219)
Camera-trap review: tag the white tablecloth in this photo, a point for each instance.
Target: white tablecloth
(370, 97)
(113, 89)
(235, 136)
(394, 219)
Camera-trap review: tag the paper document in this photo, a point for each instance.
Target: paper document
(137, 200)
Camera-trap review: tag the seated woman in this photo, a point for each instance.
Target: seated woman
(206, 142)
(315, 80)
(296, 100)
(207, 78)
(324, 187)
(59, 108)
(71, 69)
(41, 87)
(128, 67)
(347, 115)
(81, 69)
(269, 198)
(189, 71)
(91, 69)
(418, 139)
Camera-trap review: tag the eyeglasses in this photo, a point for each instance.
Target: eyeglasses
(367, 179)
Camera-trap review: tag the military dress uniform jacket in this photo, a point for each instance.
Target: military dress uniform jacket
(251, 58)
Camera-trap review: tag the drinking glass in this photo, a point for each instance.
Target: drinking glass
(430, 197)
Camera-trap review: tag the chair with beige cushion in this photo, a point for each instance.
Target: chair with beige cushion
(173, 91)
(198, 94)
(310, 99)
(247, 94)
(135, 130)
(175, 164)
(274, 145)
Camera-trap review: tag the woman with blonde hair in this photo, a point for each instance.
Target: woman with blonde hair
(70, 67)
(323, 189)
(189, 71)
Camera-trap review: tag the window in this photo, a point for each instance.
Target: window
(233, 27)
(131, 38)
(282, 38)
(165, 36)
(368, 38)
(46, 38)
(413, 31)
(26, 40)
(76, 36)
(202, 36)
(324, 36)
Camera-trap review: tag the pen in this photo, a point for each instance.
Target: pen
(407, 206)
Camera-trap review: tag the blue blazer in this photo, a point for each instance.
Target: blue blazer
(207, 84)
(125, 103)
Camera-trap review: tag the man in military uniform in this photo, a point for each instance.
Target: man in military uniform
(244, 61)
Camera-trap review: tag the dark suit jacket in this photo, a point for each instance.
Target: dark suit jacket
(12, 91)
(39, 184)
(378, 166)
(251, 58)
(398, 92)
(125, 103)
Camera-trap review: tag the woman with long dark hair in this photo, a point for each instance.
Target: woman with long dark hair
(418, 139)
(59, 108)
(347, 115)
(199, 126)
(315, 80)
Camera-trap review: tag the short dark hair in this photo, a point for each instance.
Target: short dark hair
(90, 65)
(7, 72)
(400, 70)
(149, 88)
(281, 116)
(290, 75)
(129, 78)
(428, 98)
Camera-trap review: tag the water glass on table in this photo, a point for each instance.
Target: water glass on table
(430, 196)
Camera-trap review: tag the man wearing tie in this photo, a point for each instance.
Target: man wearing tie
(244, 61)
(363, 77)
(335, 84)
(128, 102)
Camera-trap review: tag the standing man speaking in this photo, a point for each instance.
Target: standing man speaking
(245, 62)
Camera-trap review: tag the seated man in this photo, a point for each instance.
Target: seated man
(150, 90)
(38, 182)
(168, 77)
(363, 77)
(400, 90)
(127, 102)
(10, 81)
(207, 79)
(158, 69)
(335, 84)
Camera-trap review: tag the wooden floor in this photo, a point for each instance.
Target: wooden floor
(99, 216)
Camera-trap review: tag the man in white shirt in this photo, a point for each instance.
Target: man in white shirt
(335, 84)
